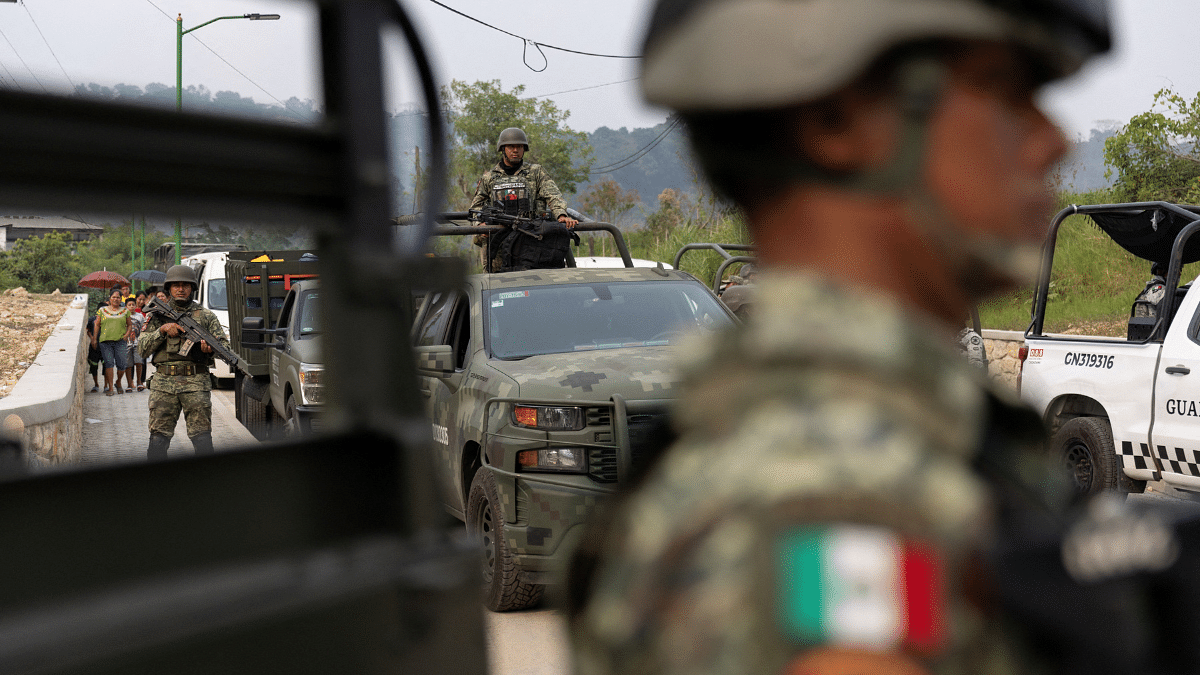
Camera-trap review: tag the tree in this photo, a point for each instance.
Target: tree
(670, 215)
(1157, 155)
(478, 112)
(42, 264)
(607, 202)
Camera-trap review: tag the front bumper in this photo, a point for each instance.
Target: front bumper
(544, 512)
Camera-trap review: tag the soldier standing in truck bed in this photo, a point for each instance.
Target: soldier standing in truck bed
(839, 467)
(181, 382)
(521, 189)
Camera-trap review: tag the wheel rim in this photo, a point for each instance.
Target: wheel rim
(487, 536)
(1078, 459)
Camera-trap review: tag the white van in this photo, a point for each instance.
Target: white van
(210, 271)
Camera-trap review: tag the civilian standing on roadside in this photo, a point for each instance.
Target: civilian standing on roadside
(139, 320)
(113, 326)
(139, 363)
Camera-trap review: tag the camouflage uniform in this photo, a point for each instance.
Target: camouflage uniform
(170, 394)
(1146, 303)
(972, 346)
(544, 194)
(829, 409)
(544, 197)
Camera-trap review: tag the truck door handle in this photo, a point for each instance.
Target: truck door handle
(1178, 370)
(426, 393)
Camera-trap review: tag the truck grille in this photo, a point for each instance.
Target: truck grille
(602, 462)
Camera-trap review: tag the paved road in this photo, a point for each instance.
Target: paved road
(115, 427)
(532, 642)
(114, 430)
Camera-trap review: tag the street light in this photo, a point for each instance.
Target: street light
(180, 32)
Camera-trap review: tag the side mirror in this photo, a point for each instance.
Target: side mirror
(435, 360)
(252, 332)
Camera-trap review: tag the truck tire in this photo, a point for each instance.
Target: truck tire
(295, 426)
(1085, 446)
(503, 587)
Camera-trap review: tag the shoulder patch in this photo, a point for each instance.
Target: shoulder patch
(859, 586)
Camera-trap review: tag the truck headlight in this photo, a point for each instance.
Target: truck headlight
(548, 418)
(312, 389)
(564, 460)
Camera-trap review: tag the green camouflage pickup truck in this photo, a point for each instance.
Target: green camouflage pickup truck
(542, 387)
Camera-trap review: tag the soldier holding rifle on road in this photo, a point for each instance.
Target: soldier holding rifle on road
(181, 381)
(515, 188)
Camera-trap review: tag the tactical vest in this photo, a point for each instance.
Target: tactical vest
(511, 195)
(169, 351)
(511, 250)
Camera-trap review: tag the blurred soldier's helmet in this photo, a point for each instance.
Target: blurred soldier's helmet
(180, 274)
(512, 136)
(726, 55)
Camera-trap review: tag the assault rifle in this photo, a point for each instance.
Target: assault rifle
(533, 226)
(193, 332)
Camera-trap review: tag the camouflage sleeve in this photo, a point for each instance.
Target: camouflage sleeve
(482, 189)
(212, 324)
(151, 340)
(775, 590)
(547, 192)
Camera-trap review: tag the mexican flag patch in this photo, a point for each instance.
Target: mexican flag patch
(860, 586)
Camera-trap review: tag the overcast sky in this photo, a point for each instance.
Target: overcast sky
(53, 44)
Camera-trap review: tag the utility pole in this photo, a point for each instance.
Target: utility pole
(417, 180)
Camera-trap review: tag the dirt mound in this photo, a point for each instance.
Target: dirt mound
(26, 320)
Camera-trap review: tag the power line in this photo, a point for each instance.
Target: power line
(637, 155)
(35, 78)
(160, 9)
(10, 76)
(526, 42)
(594, 86)
(291, 112)
(39, 30)
(553, 93)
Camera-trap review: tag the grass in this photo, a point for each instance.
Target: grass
(1092, 285)
(703, 264)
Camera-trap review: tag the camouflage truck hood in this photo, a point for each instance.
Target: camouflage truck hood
(634, 373)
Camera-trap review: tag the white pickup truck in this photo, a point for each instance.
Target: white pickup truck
(1124, 411)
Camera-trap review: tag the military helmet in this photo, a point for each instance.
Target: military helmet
(512, 136)
(180, 274)
(726, 55)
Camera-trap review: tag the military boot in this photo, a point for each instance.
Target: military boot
(158, 447)
(202, 443)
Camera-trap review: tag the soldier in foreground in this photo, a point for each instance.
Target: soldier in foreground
(520, 189)
(822, 510)
(181, 382)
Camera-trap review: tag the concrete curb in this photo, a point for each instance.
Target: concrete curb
(1006, 335)
(43, 407)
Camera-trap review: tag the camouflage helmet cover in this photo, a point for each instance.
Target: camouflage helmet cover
(512, 136)
(180, 274)
(700, 55)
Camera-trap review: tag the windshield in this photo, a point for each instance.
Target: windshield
(553, 319)
(309, 313)
(215, 293)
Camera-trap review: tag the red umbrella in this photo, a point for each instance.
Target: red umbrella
(103, 279)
